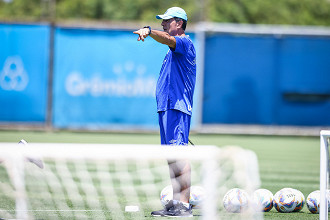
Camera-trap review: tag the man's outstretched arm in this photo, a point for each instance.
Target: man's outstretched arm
(159, 36)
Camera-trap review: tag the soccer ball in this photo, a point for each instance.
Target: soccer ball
(166, 195)
(284, 200)
(313, 202)
(236, 200)
(263, 200)
(300, 200)
(197, 195)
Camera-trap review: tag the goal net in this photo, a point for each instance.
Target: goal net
(103, 181)
(324, 173)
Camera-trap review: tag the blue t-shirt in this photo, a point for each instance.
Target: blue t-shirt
(176, 82)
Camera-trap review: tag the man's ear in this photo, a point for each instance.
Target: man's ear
(179, 24)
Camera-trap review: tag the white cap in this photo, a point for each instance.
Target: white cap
(174, 12)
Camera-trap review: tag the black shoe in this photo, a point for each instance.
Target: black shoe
(164, 211)
(159, 213)
(179, 210)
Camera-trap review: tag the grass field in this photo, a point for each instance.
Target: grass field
(284, 161)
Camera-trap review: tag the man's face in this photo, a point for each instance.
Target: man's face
(170, 26)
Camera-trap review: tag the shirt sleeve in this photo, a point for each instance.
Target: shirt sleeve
(182, 45)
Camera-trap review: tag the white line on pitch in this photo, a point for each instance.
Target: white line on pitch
(58, 210)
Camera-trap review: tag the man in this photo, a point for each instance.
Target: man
(174, 95)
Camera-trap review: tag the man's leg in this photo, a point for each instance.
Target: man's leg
(180, 173)
(176, 134)
(174, 130)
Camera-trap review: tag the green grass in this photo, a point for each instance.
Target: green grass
(283, 161)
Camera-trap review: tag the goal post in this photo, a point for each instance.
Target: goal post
(105, 181)
(324, 173)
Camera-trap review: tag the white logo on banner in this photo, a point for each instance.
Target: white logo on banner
(137, 85)
(13, 75)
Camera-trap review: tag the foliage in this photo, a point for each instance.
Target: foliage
(295, 12)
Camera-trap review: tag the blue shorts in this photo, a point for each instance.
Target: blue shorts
(174, 127)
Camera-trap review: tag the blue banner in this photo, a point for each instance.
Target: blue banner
(105, 79)
(23, 72)
(304, 81)
(267, 80)
(240, 72)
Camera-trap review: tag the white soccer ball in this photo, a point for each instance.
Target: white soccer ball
(166, 195)
(197, 195)
(313, 202)
(263, 200)
(236, 200)
(284, 200)
(300, 200)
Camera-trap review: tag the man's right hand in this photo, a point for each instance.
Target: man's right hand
(143, 33)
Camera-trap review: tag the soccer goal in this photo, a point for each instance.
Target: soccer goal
(324, 173)
(104, 181)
